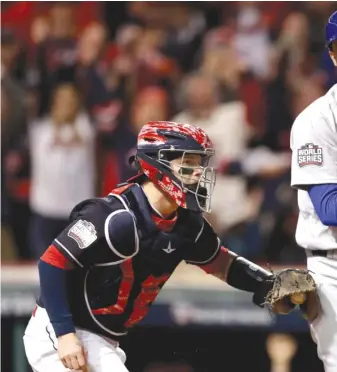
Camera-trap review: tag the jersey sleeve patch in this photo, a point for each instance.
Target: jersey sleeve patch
(84, 233)
(313, 142)
(121, 234)
(310, 154)
(84, 242)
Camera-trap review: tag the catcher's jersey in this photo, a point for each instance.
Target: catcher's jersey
(123, 257)
(314, 161)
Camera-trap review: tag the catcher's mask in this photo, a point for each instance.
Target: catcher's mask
(176, 157)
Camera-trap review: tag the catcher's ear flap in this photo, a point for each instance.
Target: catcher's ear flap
(134, 163)
(311, 308)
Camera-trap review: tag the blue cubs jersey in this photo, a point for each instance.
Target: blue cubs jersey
(122, 257)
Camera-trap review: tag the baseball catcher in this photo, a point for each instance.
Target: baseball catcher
(100, 276)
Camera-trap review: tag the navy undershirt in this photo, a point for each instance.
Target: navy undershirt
(54, 298)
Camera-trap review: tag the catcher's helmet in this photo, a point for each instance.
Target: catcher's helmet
(331, 29)
(160, 142)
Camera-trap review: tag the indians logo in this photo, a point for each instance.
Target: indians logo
(310, 154)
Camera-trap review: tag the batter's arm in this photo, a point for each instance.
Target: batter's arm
(324, 200)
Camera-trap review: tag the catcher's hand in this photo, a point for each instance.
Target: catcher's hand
(284, 290)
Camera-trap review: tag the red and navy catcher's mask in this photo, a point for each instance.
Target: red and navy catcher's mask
(159, 143)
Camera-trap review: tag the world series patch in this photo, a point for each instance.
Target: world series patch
(310, 154)
(83, 232)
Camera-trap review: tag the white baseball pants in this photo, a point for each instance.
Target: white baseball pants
(324, 328)
(40, 342)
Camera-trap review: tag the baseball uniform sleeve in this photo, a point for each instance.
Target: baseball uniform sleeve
(98, 234)
(314, 152)
(206, 248)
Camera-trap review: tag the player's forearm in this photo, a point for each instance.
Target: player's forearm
(324, 199)
(54, 296)
(245, 275)
(237, 271)
(219, 265)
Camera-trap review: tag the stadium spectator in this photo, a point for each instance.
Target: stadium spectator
(62, 147)
(226, 125)
(240, 70)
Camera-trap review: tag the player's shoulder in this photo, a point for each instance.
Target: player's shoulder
(190, 218)
(110, 211)
(201, 226)
(111, 217)
(207, 227)
(206, 242)
(319, 113)
(102, 206)
(96, 207)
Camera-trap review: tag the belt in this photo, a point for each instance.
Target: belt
(320, 253)
(329, 253)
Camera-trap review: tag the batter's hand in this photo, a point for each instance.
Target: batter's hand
(72, 353)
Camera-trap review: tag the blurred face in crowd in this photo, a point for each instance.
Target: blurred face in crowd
(62, 22)
(40, 29)
(201, 95)
(128, 37)
(295, 30)
(221, 63)
(150, 40)
(9, 52)
(91, 43)
(305, 93)
(150, 105)
(151, 13)
(177, 14)
(333, 52)
(65, 104)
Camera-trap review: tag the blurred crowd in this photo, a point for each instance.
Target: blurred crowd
(79, 79)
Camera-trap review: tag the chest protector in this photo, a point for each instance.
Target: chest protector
(181, 238)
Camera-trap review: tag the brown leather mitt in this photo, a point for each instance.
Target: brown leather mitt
(292, 287)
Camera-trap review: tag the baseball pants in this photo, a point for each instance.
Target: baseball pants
(324, 328)
(104, 355)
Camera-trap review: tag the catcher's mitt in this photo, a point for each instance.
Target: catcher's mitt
(292, 287)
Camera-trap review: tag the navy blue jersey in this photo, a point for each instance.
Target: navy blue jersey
(122, 258)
